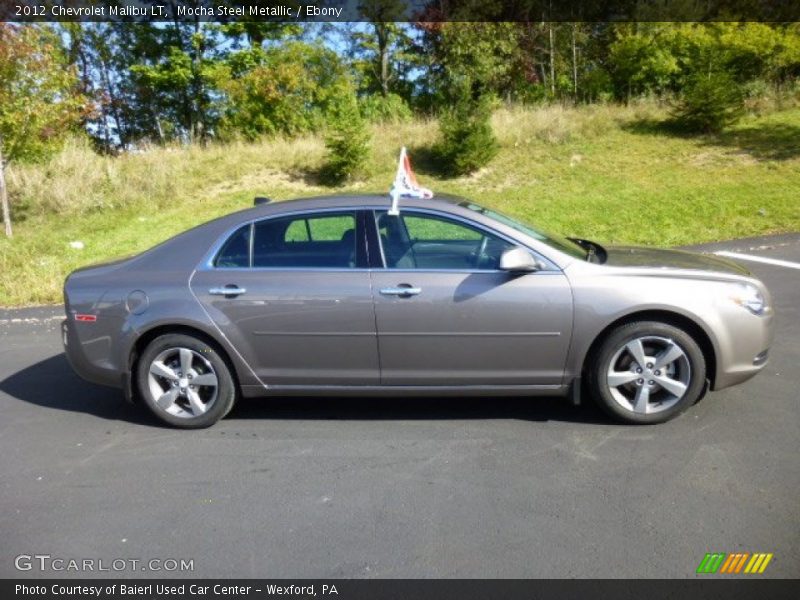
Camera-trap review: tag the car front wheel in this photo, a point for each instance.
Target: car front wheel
(185, 382)
(647, 372)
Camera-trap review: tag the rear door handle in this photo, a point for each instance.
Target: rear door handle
(229, 290)
(402, 291)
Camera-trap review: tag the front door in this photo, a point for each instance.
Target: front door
(292, 294)
(446, 315)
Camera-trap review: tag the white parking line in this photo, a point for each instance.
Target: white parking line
(31, 320)
(760, 259)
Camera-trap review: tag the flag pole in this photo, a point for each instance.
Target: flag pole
(405, 184)
(394, 210)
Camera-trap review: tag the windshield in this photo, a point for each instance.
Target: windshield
(555, 241)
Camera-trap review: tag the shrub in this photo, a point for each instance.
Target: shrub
(347, 142)
(468, 142)
(709, 103)
(385, 109)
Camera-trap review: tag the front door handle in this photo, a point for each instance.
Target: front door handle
(228, 291)
(404, 291)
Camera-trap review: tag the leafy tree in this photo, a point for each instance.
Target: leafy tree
(466, 57)
(287, 89)
(93, 50)
(472, 62)
(382, 52)
(179, 79)
(139, 111)
(38, 98)
(257, 33)
(347, 141)
(642, 61)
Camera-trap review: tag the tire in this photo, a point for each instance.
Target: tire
(671, 379)
(188, 399)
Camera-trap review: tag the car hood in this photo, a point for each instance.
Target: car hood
(635, 256)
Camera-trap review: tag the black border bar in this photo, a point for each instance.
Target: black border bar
(399, 11)
(710, 588)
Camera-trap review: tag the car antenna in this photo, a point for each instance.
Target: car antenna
(405, 184)
(261, 200)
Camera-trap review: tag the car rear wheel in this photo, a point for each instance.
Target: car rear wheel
(185, 382)
(647, 372)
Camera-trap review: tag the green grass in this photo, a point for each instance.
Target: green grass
(609, 173)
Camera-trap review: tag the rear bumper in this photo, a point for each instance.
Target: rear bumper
(94, 372)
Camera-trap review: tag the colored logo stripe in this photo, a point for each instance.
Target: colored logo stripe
(735, 562)
(722, 562)
(711, 562)
(758, 563)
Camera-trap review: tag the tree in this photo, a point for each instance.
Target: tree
(262, 89)
(470, 56)
(468, 142)
(382, 52)
(709, 103)
(642, 61)
(472, 65)
(347, 141)
(179, 76)
(38, 99)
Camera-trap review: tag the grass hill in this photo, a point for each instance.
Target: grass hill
(614, 174)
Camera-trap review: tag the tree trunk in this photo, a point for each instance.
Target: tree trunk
(574, 63)
(114, 102)
(382, 36)
(4, 196)
(552, 61)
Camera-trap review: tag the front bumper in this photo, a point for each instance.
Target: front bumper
(744, 351)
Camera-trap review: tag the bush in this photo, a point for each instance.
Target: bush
(347, 143)
(468, 142)
(385, 109)
(709, 103)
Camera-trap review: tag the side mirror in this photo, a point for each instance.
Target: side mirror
(518, 260)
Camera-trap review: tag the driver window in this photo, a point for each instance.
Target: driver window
(423, 241)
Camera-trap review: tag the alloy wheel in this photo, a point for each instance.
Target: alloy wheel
(649, 374)
(182, 382)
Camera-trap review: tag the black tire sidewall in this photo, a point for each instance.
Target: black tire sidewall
(226, 388)
(622, 335)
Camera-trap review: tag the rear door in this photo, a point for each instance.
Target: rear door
(446, 315)
(292, 293)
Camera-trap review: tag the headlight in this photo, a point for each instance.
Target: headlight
(749, 297)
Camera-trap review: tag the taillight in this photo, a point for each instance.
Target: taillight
(86, 318)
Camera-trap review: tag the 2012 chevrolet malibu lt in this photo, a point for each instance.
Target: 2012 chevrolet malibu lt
(340, 296)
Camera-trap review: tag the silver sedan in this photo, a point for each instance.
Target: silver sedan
(336, 296)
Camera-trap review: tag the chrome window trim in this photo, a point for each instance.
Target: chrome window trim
(207, 262)
(366, 270)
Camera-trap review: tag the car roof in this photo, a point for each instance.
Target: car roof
(225, 225)
(347, 201)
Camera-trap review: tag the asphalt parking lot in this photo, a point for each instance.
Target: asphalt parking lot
(401, 487)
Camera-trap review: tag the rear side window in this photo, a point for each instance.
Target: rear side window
(325, 240)
(236, 251)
